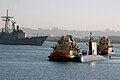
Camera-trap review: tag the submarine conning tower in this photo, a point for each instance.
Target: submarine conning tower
(92, 46)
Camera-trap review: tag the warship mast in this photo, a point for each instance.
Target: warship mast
(6, 19)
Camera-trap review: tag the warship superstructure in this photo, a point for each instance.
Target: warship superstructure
(17, 36)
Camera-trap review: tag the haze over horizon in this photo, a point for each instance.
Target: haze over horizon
(64, 14)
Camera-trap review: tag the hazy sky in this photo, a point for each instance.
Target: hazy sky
(64, 14)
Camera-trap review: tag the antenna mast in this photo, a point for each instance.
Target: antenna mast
(7, 20)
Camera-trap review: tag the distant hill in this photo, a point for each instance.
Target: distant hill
(77, 34)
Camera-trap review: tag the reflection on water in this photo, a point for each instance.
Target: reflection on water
(93, 65)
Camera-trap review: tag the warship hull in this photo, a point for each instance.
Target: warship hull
(25, 41)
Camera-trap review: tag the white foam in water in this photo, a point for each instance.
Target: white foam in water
(90, 58)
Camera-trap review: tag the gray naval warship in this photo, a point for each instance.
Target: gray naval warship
(16, 36)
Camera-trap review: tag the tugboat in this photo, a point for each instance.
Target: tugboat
(65, 49)
(17, 36)
(104, 47)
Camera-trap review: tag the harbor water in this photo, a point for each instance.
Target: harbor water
(25, 62)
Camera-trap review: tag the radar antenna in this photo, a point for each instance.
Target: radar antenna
(13, 25)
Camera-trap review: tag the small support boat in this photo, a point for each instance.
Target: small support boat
(104, 47)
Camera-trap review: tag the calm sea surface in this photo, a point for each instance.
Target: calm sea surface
(22, 62)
